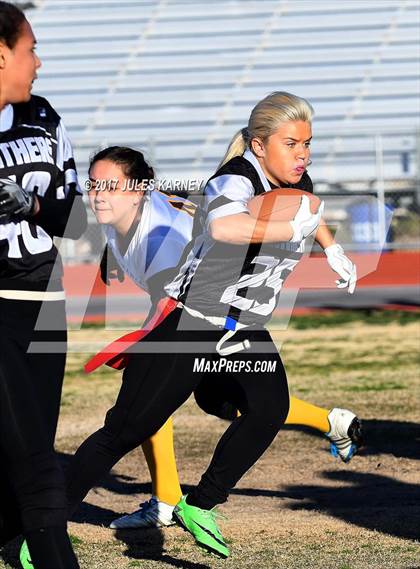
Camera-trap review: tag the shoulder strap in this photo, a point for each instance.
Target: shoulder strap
(241, 167)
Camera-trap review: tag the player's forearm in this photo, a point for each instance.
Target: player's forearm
(323, 236)
(241, 229)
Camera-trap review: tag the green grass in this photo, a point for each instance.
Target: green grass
(120, 325)
(76, 541)
(313, 320)
(337, 318)
(333, 359)
(380, 386)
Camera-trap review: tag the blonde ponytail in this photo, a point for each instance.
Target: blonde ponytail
(237, 147)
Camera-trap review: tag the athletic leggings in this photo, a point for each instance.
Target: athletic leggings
(160, 378)
(32, 491)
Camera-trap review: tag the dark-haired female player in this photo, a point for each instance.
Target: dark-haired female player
(38, 192)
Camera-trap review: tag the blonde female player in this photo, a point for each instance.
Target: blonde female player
(146, 234)
(211, 312)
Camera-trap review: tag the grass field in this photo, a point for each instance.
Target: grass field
(298, 507)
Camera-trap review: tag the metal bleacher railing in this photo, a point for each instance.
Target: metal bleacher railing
(178, 78)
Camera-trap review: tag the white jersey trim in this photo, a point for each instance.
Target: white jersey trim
(6, 118)
(32, 295)
(237, 190)
(248, 155)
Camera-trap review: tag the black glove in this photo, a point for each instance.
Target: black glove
(110, 268)
(14, 200)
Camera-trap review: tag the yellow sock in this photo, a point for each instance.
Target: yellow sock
(160, 457)
(302, 413)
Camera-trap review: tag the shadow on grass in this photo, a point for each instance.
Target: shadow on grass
(371, 501)
(149, 544)
(397, 438)
(141, 544)
(368, 500)
(9, 553)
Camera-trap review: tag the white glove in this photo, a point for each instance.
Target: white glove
(342, 265)
(305, 222)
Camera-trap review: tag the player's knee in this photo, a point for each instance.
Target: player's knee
(273, 412)
(115, 424)
(284, 407)
(275, 420)
(219, 408)
(113, 437)
(116, 443)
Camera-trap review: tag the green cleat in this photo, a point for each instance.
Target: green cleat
(202, 525)
(25, 557)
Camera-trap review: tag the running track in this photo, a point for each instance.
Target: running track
(389, 281)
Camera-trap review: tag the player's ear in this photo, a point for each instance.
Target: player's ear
(257, 147)
(5, 53)
(2, 55)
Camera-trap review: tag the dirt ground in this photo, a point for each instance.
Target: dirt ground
(298, 507)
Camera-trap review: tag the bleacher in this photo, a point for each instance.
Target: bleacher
(178, 78)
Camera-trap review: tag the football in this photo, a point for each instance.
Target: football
(280, 204)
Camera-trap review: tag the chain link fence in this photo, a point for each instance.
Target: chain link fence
(375, 213)
(366, 221)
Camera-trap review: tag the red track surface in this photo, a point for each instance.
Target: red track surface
(390, 269)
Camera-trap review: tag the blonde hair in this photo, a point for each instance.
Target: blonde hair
(266, 117)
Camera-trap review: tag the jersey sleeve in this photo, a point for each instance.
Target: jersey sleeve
(64, 216)
(227, 195)
(65, 163)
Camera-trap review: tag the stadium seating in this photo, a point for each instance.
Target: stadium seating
(179, 78)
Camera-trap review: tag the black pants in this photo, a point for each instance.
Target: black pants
(158, 381)
(32, 487)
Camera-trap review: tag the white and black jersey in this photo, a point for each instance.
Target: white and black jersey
(36, 153)
(155, 243)
(239, 282)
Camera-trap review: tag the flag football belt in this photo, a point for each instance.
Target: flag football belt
(115, 354)
(229, 324)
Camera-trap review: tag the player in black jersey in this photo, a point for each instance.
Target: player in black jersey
(129, 244)
(218, 329)
(39, 199)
